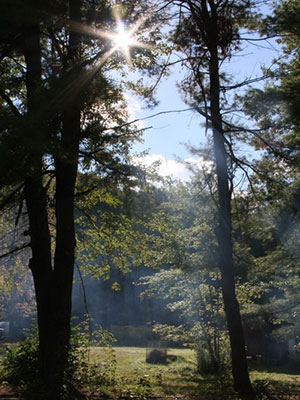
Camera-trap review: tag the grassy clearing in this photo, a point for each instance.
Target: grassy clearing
(283, 382)
(179, 379)
(174, 377)
(136, 379)
(140, 380)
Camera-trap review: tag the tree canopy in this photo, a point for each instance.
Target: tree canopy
(223, 257)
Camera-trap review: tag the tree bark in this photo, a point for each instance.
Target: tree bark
(35, 196)
(53, 283)
(224, 235)
(66, 162)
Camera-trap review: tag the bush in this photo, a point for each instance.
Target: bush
(213, 359)
(93, 378)
(20, 364)
(205, 364)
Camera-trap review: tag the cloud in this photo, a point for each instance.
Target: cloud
(181, 170)
(133, 108)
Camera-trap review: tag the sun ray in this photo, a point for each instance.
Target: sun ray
(123, 39)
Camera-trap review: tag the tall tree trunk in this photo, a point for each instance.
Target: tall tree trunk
(224, 236)
(35, 196)
(66, 161)
(53, 283)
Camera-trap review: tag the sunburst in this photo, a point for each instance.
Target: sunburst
(120, 39)
(123, 38)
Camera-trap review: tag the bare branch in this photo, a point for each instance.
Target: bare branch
(13, 108)
(15, 250)
(10, 196)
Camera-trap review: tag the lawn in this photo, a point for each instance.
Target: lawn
(178, 379)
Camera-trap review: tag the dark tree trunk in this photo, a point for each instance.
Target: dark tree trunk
(53, 283)
(40, 263)
(66, 161)
(211, 29)
(224, 235)
(35, 195)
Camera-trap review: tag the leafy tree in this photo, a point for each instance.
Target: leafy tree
(188, 278)
(275, 109)
(207, 34)
(60, 110)
(269, 225)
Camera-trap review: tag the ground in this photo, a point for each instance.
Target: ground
(177, 379)
(7, 393)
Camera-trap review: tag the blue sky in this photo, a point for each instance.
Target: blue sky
(168, 133)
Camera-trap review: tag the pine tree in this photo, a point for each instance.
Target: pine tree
(207, 34)
(60, 111)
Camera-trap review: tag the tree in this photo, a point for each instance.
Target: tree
(207, 33)
(60, 109)
(188, 278)
(275, 108)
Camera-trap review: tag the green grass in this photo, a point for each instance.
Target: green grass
(180, 380)
(138, 380)
(174, 377)
(283, 382)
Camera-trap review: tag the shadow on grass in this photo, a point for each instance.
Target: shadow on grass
(274, 389)
(288, 369)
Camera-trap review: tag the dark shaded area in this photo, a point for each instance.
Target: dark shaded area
(123, 312)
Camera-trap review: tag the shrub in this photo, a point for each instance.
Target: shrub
(92, 377)
(20, 364)
(205, 363)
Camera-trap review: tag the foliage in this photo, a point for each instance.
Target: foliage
(275, 107)
(16, 287)
(188, 280)
(119, 224)
(94, 378)
(20, 364)
(108, 231)
(200, 308)
(63, 106)
(122, 224)
(272, 227)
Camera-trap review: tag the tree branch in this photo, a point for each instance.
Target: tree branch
(13, 108)
(15, 250)
(10, 196)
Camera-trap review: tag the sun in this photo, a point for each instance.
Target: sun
(123, 39)
(119, 39)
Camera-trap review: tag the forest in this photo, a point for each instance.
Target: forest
(118, 281)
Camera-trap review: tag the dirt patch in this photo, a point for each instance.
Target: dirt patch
(6, 392)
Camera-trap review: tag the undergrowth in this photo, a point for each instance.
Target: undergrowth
(19, 366)
(99, 371)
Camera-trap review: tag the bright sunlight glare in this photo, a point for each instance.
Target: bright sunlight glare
(123, 38)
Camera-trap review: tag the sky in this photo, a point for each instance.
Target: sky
(167, 134)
